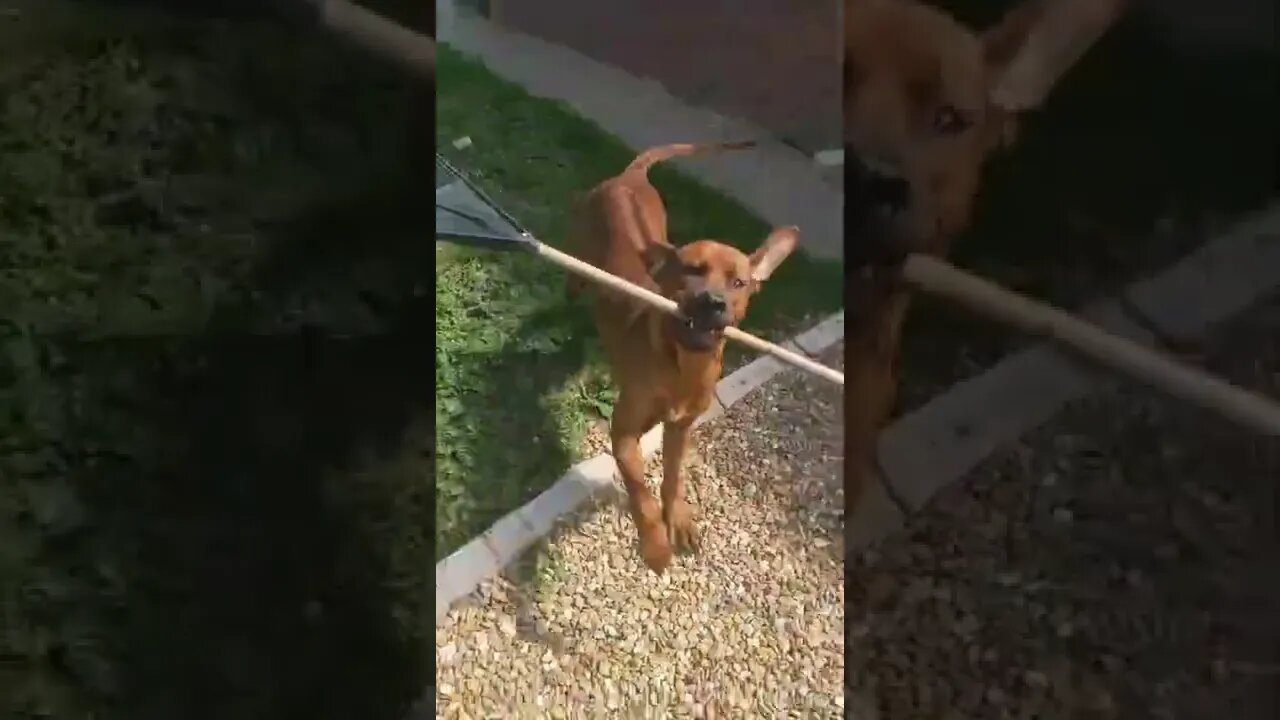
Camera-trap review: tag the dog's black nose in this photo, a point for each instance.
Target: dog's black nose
(713, 303)
(875, 203)
(872, 188)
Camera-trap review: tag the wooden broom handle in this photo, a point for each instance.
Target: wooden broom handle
(985, 298)
(653, 299)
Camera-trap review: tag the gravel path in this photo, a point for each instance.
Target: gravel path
(752, 626)
(1119, 563)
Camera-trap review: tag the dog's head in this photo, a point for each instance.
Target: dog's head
(927, 99)
(712, 283)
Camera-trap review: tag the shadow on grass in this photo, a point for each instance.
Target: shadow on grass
(407, 12)
(231, 518)
(508, 417)
(268, 516)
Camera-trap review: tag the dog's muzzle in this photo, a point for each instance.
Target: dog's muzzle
(877, 201)
(706, 312)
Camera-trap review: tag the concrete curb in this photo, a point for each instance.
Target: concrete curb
(936, 445)
(459, 574)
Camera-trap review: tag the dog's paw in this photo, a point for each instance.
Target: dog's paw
(681, 530)
(655, 547)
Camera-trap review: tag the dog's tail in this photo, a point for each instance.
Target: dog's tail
(652, 156)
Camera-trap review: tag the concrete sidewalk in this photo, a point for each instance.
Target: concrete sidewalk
(775, 63)
(776, 182)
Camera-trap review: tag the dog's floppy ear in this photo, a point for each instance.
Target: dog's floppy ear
(661, 259)
(1037, 42)
(773, 251)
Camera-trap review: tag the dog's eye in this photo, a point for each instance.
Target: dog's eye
(949, 121)
(737, 283)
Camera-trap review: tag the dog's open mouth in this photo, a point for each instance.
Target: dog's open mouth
(710, 326)
(700, 333)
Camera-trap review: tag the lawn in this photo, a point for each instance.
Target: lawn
(215, 429)
(518, 373)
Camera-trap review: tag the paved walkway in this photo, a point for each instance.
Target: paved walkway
(778, 183)
(773, 62)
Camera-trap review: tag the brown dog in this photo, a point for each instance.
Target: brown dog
(925, 101)
(666, 367)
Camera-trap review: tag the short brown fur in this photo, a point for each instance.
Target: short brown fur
(621, 226)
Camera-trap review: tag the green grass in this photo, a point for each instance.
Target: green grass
(215, 429)
(1136, 158)
(518, 372)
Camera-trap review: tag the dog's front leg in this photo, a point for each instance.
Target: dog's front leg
(630, 421)
(873, 340)
(681, 532)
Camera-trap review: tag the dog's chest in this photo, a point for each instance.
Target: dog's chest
(687, 394)
(685, 409)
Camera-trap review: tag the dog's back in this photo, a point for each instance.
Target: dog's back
(618, 220)
(615, 228)
(612, 226)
